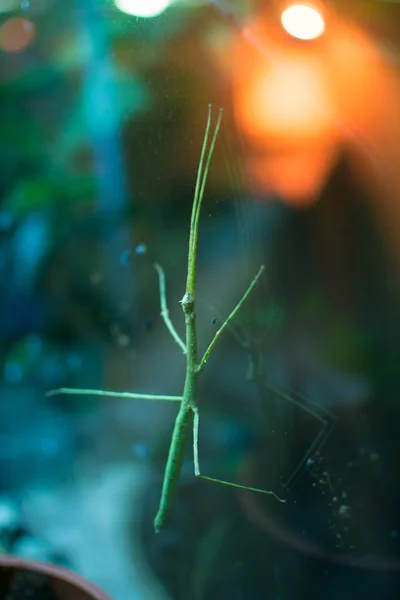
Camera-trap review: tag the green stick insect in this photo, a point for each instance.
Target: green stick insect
(188, 415)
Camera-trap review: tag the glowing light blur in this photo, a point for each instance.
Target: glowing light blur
(291, 99)
(16, 34)
(142, 8)
(303, 22)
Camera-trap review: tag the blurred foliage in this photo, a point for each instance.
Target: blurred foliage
(40, 194)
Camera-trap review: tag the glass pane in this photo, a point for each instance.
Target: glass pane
(104, 108)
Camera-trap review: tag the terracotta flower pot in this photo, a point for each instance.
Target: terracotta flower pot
(20, 578)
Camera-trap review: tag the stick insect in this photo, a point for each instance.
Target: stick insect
(188, 415)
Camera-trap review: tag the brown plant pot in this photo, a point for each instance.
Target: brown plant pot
(19, 577)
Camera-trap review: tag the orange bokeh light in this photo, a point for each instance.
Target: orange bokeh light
(353, 110)
(303, 21)
(297, 107)
(16, 34)
(288, 100)
(295, 174)
(286, 110)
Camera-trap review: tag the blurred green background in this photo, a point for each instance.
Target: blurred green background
(102, 116)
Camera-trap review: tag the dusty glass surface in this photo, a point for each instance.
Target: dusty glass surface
(102, 117)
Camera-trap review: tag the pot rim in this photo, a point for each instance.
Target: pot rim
(55, 571)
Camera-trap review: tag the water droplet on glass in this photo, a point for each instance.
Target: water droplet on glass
(141, 249)
(123, 340)
(140, 450)
(125, 257)
(344, 511)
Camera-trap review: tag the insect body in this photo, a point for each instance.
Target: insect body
(188, 415)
